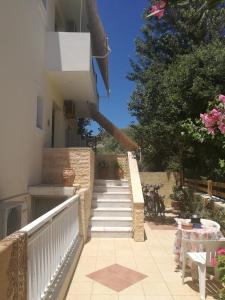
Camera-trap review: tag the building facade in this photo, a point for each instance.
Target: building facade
(47, 82)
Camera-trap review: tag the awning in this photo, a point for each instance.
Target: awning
(99, 40)
(122, 138)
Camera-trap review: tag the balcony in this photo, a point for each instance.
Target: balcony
(69, 65)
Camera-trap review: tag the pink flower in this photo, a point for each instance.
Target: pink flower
(222, 98)
(159, 8)
(220, 251)
(213, 262)
(211, 130)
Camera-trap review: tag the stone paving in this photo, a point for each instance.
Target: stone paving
(153, 258)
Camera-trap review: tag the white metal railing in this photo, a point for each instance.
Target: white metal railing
(50, 239)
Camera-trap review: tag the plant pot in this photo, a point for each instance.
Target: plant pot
(119, 173)
(68, 176)
(175, 204)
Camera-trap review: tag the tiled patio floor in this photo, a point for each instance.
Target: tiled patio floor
(153, 258)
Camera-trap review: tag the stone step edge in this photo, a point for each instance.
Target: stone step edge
(111, 186)
(112, 200)
(94, 218)
(112, 180)
(112, 209)
(111, 193)
(110, 229)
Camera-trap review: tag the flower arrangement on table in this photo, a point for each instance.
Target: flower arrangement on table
(219, 262)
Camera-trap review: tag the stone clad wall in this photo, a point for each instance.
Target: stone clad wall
(80, 159)
(13, 262)
(167, 179)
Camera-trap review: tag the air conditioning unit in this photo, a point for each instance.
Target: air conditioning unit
(69, 109)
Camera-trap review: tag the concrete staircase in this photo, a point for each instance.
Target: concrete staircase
(111, 209)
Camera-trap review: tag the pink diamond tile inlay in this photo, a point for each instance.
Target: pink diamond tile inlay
(116, 277)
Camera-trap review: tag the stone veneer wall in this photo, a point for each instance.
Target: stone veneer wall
(110, 161)
(80, 159)
(167, 179)
(13, 262)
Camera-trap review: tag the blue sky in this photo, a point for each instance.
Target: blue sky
(122, 21)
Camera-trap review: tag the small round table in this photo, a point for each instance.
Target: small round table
(209, 231)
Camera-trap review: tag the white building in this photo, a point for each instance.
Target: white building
(47, 81)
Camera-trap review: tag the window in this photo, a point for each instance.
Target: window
(39, 121)
(44, 2)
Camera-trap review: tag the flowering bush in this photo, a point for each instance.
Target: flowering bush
(214, 120)
(158, 9)
(219, 262)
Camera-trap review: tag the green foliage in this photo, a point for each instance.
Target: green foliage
(103, 164)
(109, 145)
(117, 165)
(221, 269)
(179, 68)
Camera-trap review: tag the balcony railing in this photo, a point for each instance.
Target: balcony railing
(51, 239)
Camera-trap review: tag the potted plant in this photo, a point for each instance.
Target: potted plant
(103, 168)
(118, 170)
(177, 197)
(68, 176)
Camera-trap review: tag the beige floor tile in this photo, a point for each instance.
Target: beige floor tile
(87, 260)
(187, 298)
(172, 276)
(179, 289)
(155, 289)
(153, 278)
(159, 297)
(135, 289)
(131, 297)
(80, 288)
(106, 253)
(126, 263)
(104, 297)
(102, 263)
(102, 290)
(77, 297)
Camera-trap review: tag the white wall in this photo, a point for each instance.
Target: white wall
(23, 27)
(67, 51)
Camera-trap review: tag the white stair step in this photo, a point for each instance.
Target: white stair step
(111, 195)
(111, 203)
(112, 212)
(118, 189)
(111, 221)
(111, 232)
(103, 182)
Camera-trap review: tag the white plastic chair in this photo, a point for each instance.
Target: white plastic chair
(201, 259)
(210, 224)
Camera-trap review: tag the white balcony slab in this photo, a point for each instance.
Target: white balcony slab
(68, 63)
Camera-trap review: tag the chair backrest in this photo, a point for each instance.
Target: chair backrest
(208, 246)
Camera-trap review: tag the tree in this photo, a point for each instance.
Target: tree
(109, 145)
(175, 78)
